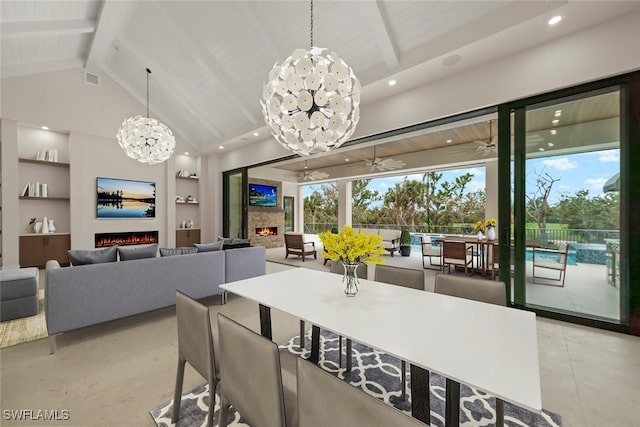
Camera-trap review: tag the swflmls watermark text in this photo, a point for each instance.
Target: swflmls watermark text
(36, 414)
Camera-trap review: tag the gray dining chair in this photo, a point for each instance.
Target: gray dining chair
(324, 400)
(482, 290)
(407, 278)
(255, 379)
(196, 346)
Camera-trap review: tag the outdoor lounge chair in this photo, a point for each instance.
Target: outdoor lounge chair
(557, 263)
(458, 254)
(295, 245)
(428, 251)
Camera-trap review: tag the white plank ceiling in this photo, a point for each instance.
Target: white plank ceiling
(209, 59)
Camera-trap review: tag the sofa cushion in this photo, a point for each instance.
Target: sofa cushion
(177, 251)
(209, 247)
(373, 231)
(389, 235)
(225, 240)
(237, 243)
(138, 252)
(83, 257)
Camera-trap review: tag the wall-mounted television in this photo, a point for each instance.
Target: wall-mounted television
(123, 198)
(263, 195)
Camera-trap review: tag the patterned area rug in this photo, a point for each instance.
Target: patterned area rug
(19, 331)
(378, 374)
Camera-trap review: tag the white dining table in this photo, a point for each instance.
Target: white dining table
(489, 347)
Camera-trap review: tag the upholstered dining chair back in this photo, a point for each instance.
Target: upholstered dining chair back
(482, 290)
(251, 378)
(196, 346)
(324, 400)
(404, 277)
(361, 270)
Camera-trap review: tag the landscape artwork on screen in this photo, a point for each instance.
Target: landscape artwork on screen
(263, 195)
(123, 198)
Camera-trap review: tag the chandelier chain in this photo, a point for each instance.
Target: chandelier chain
(148, 72)
(311, 23)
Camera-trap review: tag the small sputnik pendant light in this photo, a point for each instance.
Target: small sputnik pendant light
(311, 100)
(145, 139)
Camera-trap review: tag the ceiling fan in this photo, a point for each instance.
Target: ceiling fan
(308, 175)
(383, 164)
(486, 146)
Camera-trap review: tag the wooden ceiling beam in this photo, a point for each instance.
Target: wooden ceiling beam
(46, 28)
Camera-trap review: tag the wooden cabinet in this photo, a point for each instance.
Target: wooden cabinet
(37, 249)
(187, 237)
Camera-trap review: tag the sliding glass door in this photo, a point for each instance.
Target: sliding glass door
(563, 200)
(234, 218)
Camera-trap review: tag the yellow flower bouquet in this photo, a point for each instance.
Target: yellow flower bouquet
(491, 222)
(478, 226)
(351, 248)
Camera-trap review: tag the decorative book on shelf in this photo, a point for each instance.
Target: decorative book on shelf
(47, 155)
(35, 189)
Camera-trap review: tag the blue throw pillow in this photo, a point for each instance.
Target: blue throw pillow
(82, 257)
(138, 252)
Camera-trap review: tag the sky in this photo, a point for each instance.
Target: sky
(575, 172)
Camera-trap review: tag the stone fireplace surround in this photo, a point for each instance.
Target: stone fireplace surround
(261, 217)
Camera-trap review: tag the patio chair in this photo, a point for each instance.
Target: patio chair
(555, 260)
(295, 245)
(428, 251)
(458, 254)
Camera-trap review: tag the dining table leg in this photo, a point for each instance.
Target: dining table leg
(302, 328)
(499, 412)
(265, 321)
(420, 394)
(452, 404)
(315, 345)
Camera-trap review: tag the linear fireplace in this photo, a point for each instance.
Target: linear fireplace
(266, 231)
(104, 240)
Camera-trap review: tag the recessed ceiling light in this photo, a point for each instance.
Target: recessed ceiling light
(540, 149)
(555, 20)
(555, 122)
(256, 134)
(186, 153)
(392, 82)
(553, 131)
(558, 113)
(448, 141)
(44, 127)
(221, 147)
(346, 160)
(550, 144)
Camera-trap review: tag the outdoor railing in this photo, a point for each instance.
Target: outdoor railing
(550, 237)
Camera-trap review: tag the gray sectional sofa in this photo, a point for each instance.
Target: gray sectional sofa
(85, 295)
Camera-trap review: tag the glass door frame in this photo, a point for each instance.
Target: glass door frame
(225, 200)
(629, 87)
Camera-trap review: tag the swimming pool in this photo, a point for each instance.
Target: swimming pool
(588, 253)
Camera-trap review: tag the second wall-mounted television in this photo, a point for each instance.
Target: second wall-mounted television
(263, 195)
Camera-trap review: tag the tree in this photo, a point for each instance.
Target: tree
(312, 205)
(361, 199)
(538, 202)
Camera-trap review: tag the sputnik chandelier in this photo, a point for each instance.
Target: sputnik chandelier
(311, 100)
(145, 139)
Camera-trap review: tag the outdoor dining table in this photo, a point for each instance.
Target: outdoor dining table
(484, 248)
(489, 347)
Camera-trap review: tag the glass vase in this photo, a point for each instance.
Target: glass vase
(350, 279)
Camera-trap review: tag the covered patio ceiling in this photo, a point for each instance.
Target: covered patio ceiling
(592, 122)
